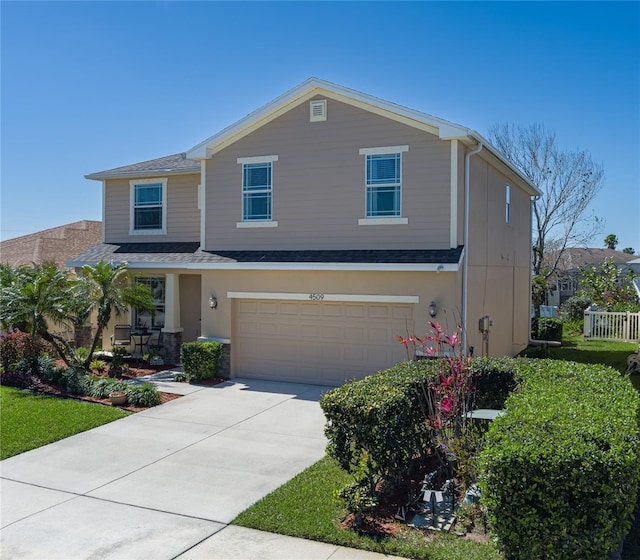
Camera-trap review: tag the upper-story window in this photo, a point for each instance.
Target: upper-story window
(383, 181)
(257, 191)
(148, 206)
(507, 204)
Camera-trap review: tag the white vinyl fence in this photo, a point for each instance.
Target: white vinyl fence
(604, 325)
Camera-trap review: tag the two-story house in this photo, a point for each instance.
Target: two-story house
(308, 235)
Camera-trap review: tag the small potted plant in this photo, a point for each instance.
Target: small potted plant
(155, 359)
(117, 362)
(118, 397)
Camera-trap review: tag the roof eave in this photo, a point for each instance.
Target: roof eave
(101, 176)
(390, 267)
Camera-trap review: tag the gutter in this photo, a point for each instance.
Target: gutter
(465, 264)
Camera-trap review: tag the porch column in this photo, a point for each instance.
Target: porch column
(172, 329)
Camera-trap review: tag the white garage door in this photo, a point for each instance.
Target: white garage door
(318, 342)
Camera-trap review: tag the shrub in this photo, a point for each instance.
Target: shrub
(17, 345)
(201, 360)
(549, 328)
(98, 365)
(560, 470)
(573, 309)
(16, 378)
(573, 328)
(378, 420)
(77, 380)
(81, 354)
(100, 387)
(143, 395)
(495, 378)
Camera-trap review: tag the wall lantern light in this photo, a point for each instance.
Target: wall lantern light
(213, 301)
(433, 309)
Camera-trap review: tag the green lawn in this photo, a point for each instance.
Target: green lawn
(28, 421)
(305, 507)
(613, 354)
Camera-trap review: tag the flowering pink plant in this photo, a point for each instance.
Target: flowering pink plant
(449, 396)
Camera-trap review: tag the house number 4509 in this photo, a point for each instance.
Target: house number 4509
(316, 297)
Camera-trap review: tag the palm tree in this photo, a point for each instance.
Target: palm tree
(33, 298)
(611, 241)
(111, 293)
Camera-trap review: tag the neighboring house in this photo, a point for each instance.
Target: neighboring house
(308, 235)
(566, 280)
(55, 245)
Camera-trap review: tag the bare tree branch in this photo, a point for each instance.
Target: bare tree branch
(568, 180)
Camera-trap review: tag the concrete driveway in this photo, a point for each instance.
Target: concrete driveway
(165, 483)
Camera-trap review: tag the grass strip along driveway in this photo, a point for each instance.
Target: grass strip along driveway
(305, 507)
(29, 420)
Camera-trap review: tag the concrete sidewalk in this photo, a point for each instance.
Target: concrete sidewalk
(166, 482)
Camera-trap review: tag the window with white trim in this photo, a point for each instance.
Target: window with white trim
(153, 319)
(507, 209)
(383, 180)
(148, 206)
(257, 188)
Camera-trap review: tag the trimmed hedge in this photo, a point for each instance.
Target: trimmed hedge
(561, 468)
(546, 328)
(496, 379)
(201, 360)
(379, 421)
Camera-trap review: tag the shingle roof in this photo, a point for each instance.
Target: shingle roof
(190, 253)
(56, 244)
(576, 257)
(167, 165)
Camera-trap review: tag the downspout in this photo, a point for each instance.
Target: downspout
(465, 264)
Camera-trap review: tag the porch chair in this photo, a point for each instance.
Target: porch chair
(158, 345)
(121, 336)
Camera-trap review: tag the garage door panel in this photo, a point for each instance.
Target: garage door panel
(317, 342)
(310, 309)
(379, 312)
(354, 333)
(289, 308)
(354, 311)
(332, 309)
(401, 312)
(247, 306)
(331, 332)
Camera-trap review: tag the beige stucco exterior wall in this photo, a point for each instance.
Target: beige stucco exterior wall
(319, 184)
(499, 260)
(183, 216)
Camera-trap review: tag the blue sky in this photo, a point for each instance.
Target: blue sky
(88, 86)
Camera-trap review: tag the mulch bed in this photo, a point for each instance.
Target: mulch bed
(381, 522)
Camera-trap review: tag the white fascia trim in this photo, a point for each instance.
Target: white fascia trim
(132, 188)
(103, 227)
(368, 267)
(202, 202)
(382, 221)
(256, 224)
(383, 150)
(453, 212)
(316, 297)
(139, 174)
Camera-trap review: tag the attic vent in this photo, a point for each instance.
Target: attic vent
(318, 110)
